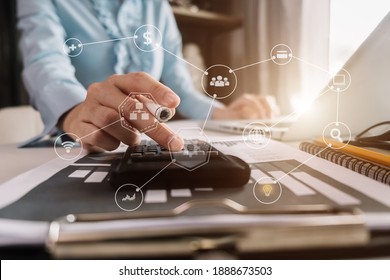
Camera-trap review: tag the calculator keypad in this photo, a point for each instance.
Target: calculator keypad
(150, 150)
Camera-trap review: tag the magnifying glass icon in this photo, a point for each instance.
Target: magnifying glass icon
(335, 133)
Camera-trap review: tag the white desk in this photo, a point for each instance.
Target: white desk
(14, 161)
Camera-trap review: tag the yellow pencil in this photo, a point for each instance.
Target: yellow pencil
(357, 151)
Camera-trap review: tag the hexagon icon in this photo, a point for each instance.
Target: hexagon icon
(135, 109)
(196, 152)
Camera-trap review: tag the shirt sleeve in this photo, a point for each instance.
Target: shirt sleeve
(48, 73)
(175, 74)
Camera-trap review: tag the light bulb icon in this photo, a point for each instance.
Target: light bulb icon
(267, 189)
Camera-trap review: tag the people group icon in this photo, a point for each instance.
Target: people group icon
(219, 82)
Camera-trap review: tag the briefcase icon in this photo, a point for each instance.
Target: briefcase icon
(281, 54)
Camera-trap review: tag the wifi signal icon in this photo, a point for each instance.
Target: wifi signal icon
(68, 145)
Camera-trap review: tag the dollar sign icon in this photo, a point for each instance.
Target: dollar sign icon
(147, 38)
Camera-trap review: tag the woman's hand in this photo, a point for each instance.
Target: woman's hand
(92, 120)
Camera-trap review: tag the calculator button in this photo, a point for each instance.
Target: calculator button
(135, 155)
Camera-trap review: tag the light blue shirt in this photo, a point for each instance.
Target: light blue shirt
(57, 82)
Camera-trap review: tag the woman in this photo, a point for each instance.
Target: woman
(81, 94)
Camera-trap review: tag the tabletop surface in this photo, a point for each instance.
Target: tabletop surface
(14, 160)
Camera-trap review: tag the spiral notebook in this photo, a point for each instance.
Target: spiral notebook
(369, 163)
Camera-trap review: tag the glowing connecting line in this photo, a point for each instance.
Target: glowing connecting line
(295, 168)
(180, 58)
(310, 64)
(250, 65)
(97, 130)
(73, 47)
(208, 113)
(337, 106)
(219, 82)
(111, 40)
(173, 161)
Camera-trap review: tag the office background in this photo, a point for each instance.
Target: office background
(10, 89)
(233, 23)
(323, 32)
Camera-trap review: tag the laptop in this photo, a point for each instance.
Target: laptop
(363, 99)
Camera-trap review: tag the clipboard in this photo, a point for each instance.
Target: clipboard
(152, 234)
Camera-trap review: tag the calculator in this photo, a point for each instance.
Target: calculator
(199, 164)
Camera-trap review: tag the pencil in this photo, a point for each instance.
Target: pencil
(357, 151)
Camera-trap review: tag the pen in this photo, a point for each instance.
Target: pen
(161, 113)
(357, 151)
